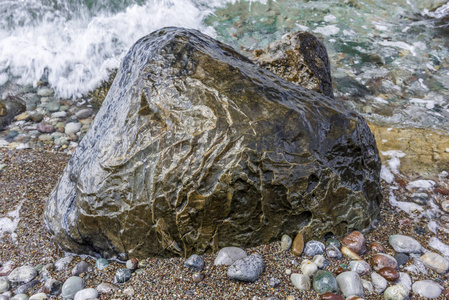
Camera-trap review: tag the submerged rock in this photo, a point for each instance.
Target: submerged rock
(9, 108)
(197, 148)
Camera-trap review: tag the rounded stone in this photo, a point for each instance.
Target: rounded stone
(404, 244)
(445, 206)
(396, 292)
(298, 244)
(427, 289)
(389, 274)
(379, 283)
(405, 280)
(197, 277)
(52, 287)
(320, 261)
(122, 275)
(286, 242)
(72, 127)
(71, 286)
(247, 269)
(20, 297)
(324, 282)
(376, 247)
(7, 268)
(132, 263)
(4, 284)
(84, 113)
(360, 266)
(85, 294)
(106, 288)
(52, 106)
(22, 274)
(195, 262)
(101, 263)
(228, 255)
(367, 285)
(45, 92)
(313, 248)
(349, 253)
(333, 241)
(435, 262)
(38, 296)
(308, 267)
(62, 263)
(331, 296)
(401, 258)
(382, 260)
(300, 281)
(81, 267)
(356, 242)
(333, 252)
(350, 284)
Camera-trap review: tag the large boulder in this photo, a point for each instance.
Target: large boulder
(196, 148)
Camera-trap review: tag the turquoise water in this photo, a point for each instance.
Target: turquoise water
(389, 58)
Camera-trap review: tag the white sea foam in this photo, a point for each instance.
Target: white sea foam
(9, 224)
(420, 184)
(327, 30)
(408, 207)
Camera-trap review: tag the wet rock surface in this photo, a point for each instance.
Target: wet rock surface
(196, 148)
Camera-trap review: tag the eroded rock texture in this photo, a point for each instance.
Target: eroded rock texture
(197, 148)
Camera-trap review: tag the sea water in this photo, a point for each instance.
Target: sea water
(389, 57)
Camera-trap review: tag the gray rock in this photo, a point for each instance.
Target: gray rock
(72, 127)
(247, 269)
(101, 263)
(228, 255)
(22, 274)
(181, 187)
(84, 113)
(122, 275)
(4, 284)
(350, 284)
(25, 288)
(368, 285)
(333, 252)
(80, 268)
(300, 281)
(38, 296)
(404, 244)
(72, 286)
(405, 280)
(396, 292)
(45, 92)
(273, 282)
(106, 288)
(195, 262)
(4, 297)
(360, 266)
(20, 297)
(62, 263)
(85, 294)
(436, 262)
(52, 106)
(427, 289)
(52, 287)
(59, 114)
(286, 242)
(313, 248)
(401, 258)
(9, 108)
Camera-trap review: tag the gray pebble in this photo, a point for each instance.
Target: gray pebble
(333, 252)
(286, 242)
(4, 284)
(20, 297)
(350, 284)
(85, 294)
(80, 268)
(71, 286)
(101, 263)
(22, 274)
(45, 92)
(404, 244)
(122, 275)
(427, 288)
(313, 248)
(195, 262)
(247, 269)
(84, 113)
(273, 282)
(228, 255)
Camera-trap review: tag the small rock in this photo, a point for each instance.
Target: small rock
(354, 298)
(389, 274)
(320, 261)
(44, 128)
(273, 282)
(382, 260)
(4, 284)
(197, 277)
(20, 297)
(300, 281)
(288, 271)
(298, 244)
(333, 252)
(333, 241)
(22, 116)
(376, 247)
(72, 127)
(379, 283)
(59, 114)
(324, 282)
(52, 106)
(247, 269)
(427, 288)
(228, 255)
(349, 253)
(404, 244)
(71, 286)
(313, 248)
(25, 288)
(308, 268)
(62, 263)
(84, 113)
(85, 294)
(405, 280)
(38, 296)
(7, 268)
(286, 242)
(356, 242)
(52, 287)
(195, 262)
(129, 291)
(401, 258)
(360, 266)
(122, 275)
(80, 268)
(420, 198)
(133, 263)
(436, 262)
(45, 92)
(331, 296)
(445, 206)
(106, 288)
(101, 264)
(350, 284)
(36, 118)
(367, 285)
(22, 274)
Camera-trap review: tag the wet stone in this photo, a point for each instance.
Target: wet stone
(356, 242)
(45, 92)
(195, 262)
(445, 206)
(350, 284)
(247, 269)
(106, 288)
(80, 268)
(404, 244)
(85, 294)
(52, 287)
(25, 288)
(405, 280)
(20, 297)
(286, 242)
(228, 255)
(427, 289)
(52, 106)
(360, 266)
(38, 296)
(122, 275)
(349, 253)
(333, 252)
(333, 241)
(101, 263)
(300, 281)
(71, 286)
(132, 263)
(367, 285)
(382, 260)
(435, 262)
(62, 263)
(72, 127)
(308, 267)
(4, 284)
(197, 277)
(389, 274)
(84, 113)
(320, 261)
(324, 282)
(22, 274)
(376, 247)
(313, 248)
(401, 258)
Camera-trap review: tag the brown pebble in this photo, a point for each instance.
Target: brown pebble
(349, 253)
(402, 183)
(441, 191)
(340, 270)
(331, 296)
(134, 263)
(298, 244)
(384, 260)
(356, 242)
(389, 274)
(376, 247)
(405, 222)
(197, 277)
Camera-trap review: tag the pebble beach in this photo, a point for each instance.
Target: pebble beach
(34, 152)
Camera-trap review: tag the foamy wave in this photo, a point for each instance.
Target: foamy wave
(75, 51)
